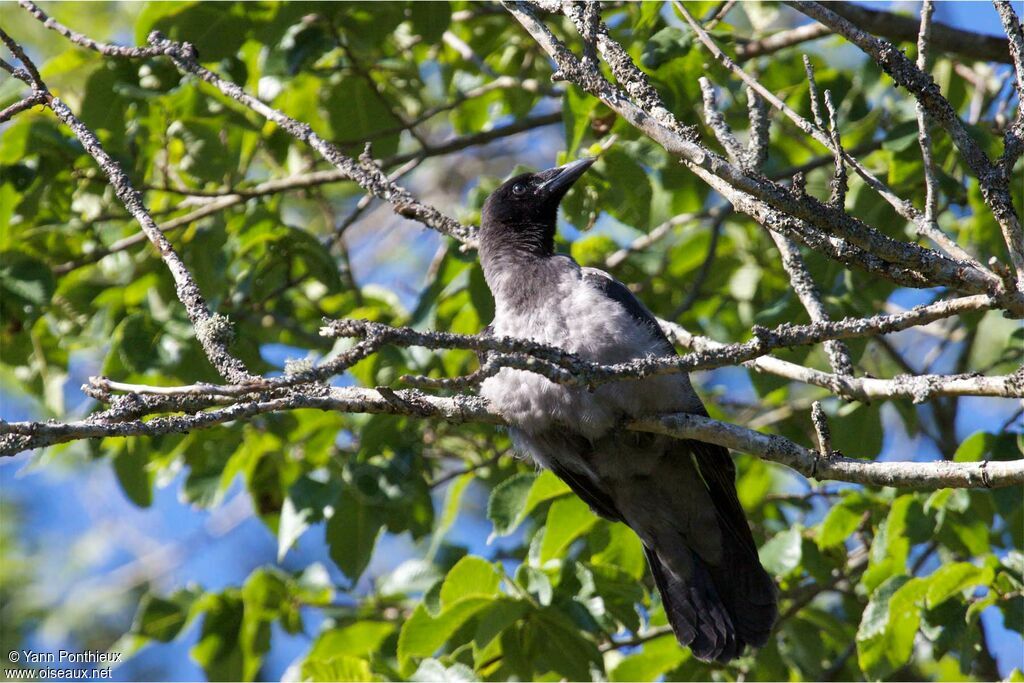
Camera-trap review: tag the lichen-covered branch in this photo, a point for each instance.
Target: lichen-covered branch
(942, 474)
(1013, 139)
(19, 436)
(810, 297)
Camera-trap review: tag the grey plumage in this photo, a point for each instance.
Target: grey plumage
(678, 496)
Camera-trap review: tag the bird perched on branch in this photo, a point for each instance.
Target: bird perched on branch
(678, 496)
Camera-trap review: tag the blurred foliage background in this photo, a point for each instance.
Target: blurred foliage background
(350, 547)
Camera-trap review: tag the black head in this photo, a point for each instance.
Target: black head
(521, 214)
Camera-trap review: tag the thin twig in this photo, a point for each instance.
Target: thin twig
(21, 105)
(717, 123)
(780, 41)
(839, 183)
(821, 430)
(807, 291)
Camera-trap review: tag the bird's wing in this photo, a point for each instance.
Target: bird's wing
(719, 474)
(566, 454)
(619, 293)
(714, 463)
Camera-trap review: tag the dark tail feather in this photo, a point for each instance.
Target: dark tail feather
(696, 613)
(718, 611)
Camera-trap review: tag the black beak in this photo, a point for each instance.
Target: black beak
(558, 180)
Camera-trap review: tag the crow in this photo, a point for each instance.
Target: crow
(678, 496)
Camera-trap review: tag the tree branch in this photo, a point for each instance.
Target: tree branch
(565, 368)
(919, 388)
(944, 37)
(780, 41)
(21, 105)
(1013, 140)
(18, 436)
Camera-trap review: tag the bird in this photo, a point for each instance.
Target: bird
(679, 496)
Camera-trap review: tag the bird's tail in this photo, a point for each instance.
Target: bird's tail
(717, 611)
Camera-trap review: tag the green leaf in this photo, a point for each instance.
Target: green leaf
(973, 448)
(449, 511)
(352, 533)
(26, 285)
(536, 583)
(992, 341)
(905, 523)
(954, 578)
(206, 158)
(743, 284)
(665, 45)
(592, 249)
(422, 634)
(885, 638)
(337, 668)
(303, 506)
(223, 651)
(358, 639)
(356, 110)
(577, 108)
(627, 195)
(901, 136)
(624, 551)
(506, 507)
(217, 31)
(545, 487)
(857, 429)
(471, 577)
(841, 521)
(617, 591)
(556, 644)
(264, 593)
(314, 585)
(104, 107)
(135, 344)
(496, 619)
(658, 657)
(131, 464)
(163, 619)
(649, 12)
(782, 553)
(568, 519)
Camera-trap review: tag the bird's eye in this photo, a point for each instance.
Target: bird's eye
(519, 189)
